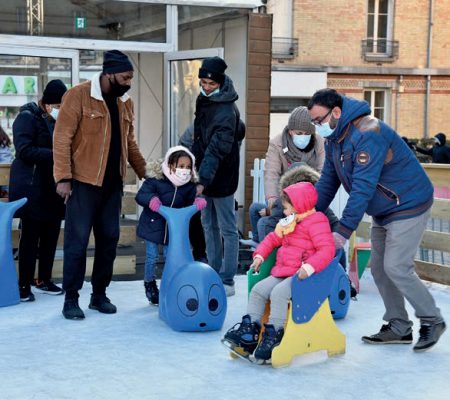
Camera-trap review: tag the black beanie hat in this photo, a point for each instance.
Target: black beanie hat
(441, 138)
(213, 68)
(114, 61)
(54, 91)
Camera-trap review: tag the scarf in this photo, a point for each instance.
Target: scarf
(285, 229)
(176, 181)
(291, 151)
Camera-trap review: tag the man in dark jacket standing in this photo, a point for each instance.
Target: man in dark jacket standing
(440, 153)
(94, 138)
(385, 180)
(216, 149)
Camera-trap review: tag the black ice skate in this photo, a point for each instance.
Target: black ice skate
(270, 339)
(243, 337)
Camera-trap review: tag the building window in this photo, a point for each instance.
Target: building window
(377, 100)
(379, 31)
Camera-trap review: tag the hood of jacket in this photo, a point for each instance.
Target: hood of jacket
(299, 172)
(227, 93)
(351, 110)
(33, 108)
(303, 196)
(441, 138)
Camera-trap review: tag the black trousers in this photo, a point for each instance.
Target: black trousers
(91, 208)
(197, 237)
(38, 239)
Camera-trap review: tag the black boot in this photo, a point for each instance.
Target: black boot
(72, 310)
(152, 292)
(26, 294)
(271, 338)
(102, 304)
(244, 334)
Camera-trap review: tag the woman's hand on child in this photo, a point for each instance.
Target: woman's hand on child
(200, 189)
(155, 203)
(256, 264)
(200, 203)
(262, 212)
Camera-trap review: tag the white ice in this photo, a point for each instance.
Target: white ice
(134, 355)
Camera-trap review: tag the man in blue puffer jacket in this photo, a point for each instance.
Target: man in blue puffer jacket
(385, 180)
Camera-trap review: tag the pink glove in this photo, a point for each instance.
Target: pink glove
(154, 203)
(200, 202)
(339, 240)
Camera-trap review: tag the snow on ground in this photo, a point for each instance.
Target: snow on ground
(134, 355)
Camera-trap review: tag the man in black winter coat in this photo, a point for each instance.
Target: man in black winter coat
(440, 153)
(216, 148)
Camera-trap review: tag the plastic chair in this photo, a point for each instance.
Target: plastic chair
(315, 302)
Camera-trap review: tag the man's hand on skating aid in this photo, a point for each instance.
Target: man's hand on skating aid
(339, 240)
(200, 203)
(154, 203)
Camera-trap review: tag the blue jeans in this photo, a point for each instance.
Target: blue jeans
(219, 221)
(152, 257)
(257, 222)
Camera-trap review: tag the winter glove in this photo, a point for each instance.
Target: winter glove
(339, 240)
(155, 203)
(200, 203)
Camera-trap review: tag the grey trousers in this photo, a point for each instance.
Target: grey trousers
(392, 264)
(278, 290)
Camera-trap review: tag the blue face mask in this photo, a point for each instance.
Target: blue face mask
(324, 130)
(54, 113)
(211, 94)
(301, 141)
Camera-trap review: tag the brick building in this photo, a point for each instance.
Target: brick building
(395, 54)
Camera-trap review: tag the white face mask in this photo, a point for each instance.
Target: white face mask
(183, 174)
(54, 113)
(211, 94)
(324, 130)
(301, 141)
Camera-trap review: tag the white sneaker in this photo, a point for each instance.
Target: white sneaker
(229, 290)
(248, 242)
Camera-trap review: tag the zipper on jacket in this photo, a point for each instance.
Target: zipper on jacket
(171, 204)
(104, 140)
(388, 192)
(32, 176)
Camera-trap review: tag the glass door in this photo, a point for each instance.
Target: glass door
(181, 90)
(24, 73)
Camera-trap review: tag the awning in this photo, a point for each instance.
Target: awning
(205, 3)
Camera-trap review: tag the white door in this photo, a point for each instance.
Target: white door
(181, 89)
(24, 73)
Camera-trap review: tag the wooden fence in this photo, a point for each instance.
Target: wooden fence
(124, 265)
(432, 240)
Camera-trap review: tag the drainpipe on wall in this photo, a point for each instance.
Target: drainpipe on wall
(428, 82)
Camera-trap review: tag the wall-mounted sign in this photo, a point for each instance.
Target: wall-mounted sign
(18, 85)
(80, 23)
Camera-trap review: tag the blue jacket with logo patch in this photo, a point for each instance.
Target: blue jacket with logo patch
(381, 174)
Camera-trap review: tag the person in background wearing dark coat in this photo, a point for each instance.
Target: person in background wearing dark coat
(440, 153)
(6, 157)
(171, 184)
(32, 177)
(216, 148)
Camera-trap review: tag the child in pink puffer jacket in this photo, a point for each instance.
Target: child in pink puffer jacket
(306, 246)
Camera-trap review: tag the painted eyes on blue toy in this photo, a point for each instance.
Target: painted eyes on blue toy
(213, 305)
(192, 304)
(216, 301)
(187, 300)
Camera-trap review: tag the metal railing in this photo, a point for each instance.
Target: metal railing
(377, 50)
(284, 47)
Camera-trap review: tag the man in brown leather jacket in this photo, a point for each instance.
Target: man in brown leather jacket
(93, 140)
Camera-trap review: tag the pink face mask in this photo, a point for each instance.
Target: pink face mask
(183, 174)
